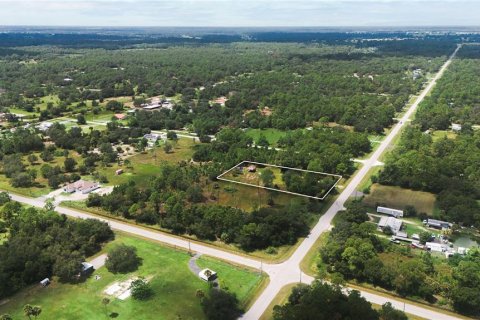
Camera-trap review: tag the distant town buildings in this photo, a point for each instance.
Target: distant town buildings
(221, 101)
(44, 126)
(417, 73)
(157, 103)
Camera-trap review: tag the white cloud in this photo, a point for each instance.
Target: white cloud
(240, 12)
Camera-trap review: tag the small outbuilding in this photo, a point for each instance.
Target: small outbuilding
(391, 212)
(87, 268)
(45, 282)
(437, 224)
(118, 172)
(207, 275)
(456, 127)
(252, 168)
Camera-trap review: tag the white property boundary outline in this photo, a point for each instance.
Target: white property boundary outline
(220, 177)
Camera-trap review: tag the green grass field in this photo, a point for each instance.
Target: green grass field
(398, 198)
(173, 283)
(441, 134)
(233, 278)
(246, 197)
(145, 165)
(272, 135)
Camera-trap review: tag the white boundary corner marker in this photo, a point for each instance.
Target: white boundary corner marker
(221, 178)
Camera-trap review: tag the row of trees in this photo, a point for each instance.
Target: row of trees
(323, 302)
(301, 84)
(174, 201)
(456, 96)
(320, 149)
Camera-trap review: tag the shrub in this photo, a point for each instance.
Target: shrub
(122, 259)
(141, 290)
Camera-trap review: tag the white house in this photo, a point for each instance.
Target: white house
(437, 247)
(393, 223)
(391, 212)
(81, 186)
(456, 127)
(438, 224)
(44, 126)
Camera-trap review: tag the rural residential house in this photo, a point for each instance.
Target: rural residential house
(81, 186)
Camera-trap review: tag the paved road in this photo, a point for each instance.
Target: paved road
(288, 271)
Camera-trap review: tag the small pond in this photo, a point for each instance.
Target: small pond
(464, 241)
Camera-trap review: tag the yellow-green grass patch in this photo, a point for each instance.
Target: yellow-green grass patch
(280, 299)
(398, 198)
(240, 280)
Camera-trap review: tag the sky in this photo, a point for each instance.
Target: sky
(237, 13)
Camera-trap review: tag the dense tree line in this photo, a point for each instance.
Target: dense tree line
(175, 201)
(320, 149)
(43, 244)
(322, 301)
(349, 84)
(456, 96)
(447, 167)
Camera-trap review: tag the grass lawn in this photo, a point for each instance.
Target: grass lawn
(145, 165)
(173, 283)
(42, 187)
(234, 278)
(53, 98)
(272, 135)
(309, 264)
(246, 197)
(280, 255)
(398, 198)
(441, 134)
(182, 151)
(241, 174)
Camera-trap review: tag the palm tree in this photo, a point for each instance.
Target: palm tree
(105, 302)
(27, 310)
(36, 311)
(30, 311)
(208, 274)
